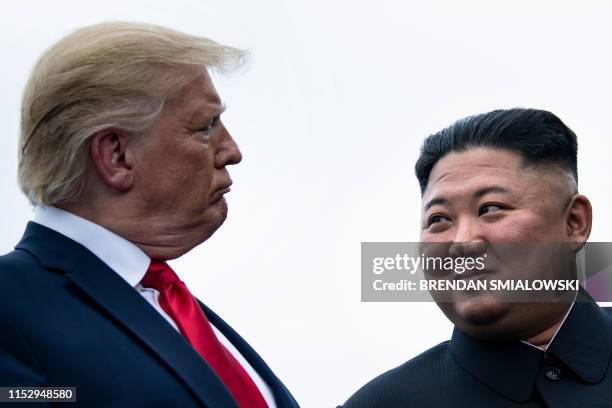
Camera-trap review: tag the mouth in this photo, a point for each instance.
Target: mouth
(473, 274)
(219, 193)
(224, 191)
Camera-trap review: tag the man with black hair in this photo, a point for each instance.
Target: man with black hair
(507, 176)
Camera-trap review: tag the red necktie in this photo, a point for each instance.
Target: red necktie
(181, 306)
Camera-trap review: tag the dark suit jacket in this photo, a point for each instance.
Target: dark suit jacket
(467, 372)
(66, 319)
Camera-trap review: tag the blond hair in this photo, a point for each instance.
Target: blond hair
(109, 75)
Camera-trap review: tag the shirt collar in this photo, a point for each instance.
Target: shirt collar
(583, 344)
(119, 254)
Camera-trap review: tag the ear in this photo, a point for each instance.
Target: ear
(113, 159)
(579, 218)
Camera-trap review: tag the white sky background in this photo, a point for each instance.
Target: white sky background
(330, 114)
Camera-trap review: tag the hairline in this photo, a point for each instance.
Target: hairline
(525, 163)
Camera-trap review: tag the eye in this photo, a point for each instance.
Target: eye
(490, 208)
(436, 219)
(209, 126)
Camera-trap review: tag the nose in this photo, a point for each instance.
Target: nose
(468, 241)
(228, 152)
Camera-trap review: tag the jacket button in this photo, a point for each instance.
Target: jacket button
(553, 373)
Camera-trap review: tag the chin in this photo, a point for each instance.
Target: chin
(220, 212)
(214, 217)
(481, 310)
(479, 316)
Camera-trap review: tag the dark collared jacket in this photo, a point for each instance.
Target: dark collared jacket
(467, 372)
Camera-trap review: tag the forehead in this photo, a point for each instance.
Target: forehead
(459, 173)
(199, 99)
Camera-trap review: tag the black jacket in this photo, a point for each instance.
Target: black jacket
(467, 372)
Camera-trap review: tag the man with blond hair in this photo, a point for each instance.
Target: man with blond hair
(124, 155)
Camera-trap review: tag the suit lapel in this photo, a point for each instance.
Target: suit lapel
(282, 396)
(112, 294)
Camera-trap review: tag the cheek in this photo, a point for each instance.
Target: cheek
(523, 227)
(192, 191)
(446, 235)
(534, 253)
(192, 171)
(187, 178)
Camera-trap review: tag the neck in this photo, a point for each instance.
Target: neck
(150, 234)
(543, 338)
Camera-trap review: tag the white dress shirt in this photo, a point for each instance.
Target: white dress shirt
(131, 264)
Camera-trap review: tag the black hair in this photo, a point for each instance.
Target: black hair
(538, 136)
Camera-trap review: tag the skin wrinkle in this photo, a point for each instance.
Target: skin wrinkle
(532, 212)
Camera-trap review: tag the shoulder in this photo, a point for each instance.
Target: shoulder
(16, 265)
(22, 279)
(410, 383)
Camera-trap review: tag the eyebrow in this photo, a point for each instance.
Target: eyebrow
(492, 189)
(477, 194)
(208, 111)
(435, 201)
